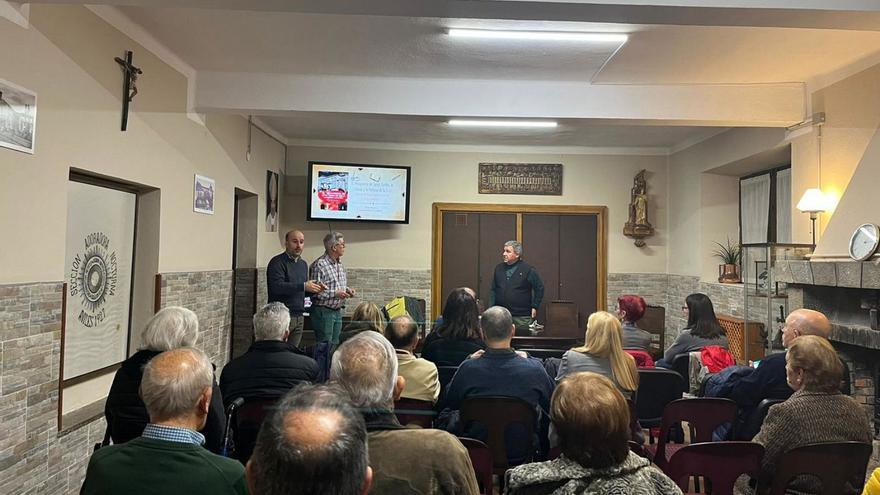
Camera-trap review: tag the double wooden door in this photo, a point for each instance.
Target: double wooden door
(566, 244)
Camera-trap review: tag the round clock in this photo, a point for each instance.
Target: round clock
(864, 242)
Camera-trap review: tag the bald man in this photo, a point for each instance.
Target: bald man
(168, 457)
(314, 442)
(287, 278)
(768, 380)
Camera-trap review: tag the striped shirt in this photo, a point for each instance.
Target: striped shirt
(332, 274)
(173, 434)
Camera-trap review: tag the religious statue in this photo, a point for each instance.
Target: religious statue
(637, 226)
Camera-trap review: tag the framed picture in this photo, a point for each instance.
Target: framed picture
(203, 195)
(18, 117)
(271, 201)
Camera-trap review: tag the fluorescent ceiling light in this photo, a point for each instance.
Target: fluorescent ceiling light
(502, 123)
(539, 35)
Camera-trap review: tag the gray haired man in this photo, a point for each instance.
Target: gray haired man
(326, 310)
(176, 389)
(366, 366)
(517, 286)
(314, 442)
(271, 366)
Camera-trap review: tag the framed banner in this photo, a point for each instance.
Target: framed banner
(521, 178)
(98, 260)
(18, 117)
(203, 195)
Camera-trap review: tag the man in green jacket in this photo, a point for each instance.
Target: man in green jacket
(168, 457)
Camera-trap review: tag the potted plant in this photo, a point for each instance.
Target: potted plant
(730, 255)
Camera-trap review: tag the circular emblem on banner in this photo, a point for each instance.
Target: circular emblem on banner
(93, 277)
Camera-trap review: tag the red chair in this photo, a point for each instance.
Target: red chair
(703, 414)
(415, 412)
(496, 414)
(719, 463)
(481, 458)
(246, 424)
(643, 359)
(840, 466)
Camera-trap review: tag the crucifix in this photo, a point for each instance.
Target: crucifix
(129, 84)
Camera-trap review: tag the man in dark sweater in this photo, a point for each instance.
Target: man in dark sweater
(168, 458)
(517, 286)
(500, 371)
(287, 278)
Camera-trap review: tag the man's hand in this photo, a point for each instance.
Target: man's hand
(341, 294)
(351, 292)
(477, 355)
(534, 313)
(314, 287)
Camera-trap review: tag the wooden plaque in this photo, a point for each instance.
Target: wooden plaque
(521, 178)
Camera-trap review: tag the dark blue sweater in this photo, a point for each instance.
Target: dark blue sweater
(286, 280)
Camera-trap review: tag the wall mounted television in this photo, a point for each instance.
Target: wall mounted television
(358, 193)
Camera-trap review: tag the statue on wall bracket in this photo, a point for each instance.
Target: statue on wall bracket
(637, 226)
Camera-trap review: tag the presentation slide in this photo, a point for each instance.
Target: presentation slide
(343, 191)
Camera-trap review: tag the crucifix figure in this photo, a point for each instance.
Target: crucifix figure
(129, 84)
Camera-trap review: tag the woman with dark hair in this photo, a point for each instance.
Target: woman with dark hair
(631, 309)
(702, 329)
(591, 419)
(458, 335)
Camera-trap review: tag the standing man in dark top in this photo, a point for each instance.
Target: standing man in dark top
(287, 277)
(517, 286)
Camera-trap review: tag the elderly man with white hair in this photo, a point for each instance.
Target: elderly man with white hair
(271, 366)
(171, 328)
(403, 460)
(168, 457)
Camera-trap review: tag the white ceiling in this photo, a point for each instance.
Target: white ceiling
(682, 66)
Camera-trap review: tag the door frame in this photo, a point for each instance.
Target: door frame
(601, 213)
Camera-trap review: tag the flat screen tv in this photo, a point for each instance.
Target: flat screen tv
(361, 193)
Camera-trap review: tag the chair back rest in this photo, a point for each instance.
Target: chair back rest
(496, 414)
(657, 387)
(544, 353)
(246, 424)
(562, 320)
(721, 463)
(755, 420)
(643, 359)
(835, 464)
(481, 458)
(682, 364)
(415, 412)
(444, 376)
(704, 414)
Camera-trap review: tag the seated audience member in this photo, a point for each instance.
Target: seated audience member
(403, 460)
(420, 374)
(270, 367)
(458, 336)
(816, 412)
(631, 309)
(168, 457)
(171, 328)
(603, 354)
(591, 419)
(313, 443)
(702, 330)
(366, 316)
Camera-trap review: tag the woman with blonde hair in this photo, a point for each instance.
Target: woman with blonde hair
(366, 316)
(603, 353)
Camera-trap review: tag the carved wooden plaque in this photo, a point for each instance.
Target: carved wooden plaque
(521, 178)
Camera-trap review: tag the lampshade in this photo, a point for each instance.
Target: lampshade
(813, 201)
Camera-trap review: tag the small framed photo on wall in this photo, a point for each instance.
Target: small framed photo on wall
(271, 201)
(203, 195)
(18, 117)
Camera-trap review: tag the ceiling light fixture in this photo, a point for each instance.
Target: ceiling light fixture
(539, 35)
(502, 123)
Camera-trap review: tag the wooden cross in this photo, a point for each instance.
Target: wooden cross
(129, 84)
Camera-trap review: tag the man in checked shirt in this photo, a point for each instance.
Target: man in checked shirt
(326, 310)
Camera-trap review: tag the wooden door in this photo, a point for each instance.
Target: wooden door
(461, 234)
(495, 230)
(579, 264)
(540, 240)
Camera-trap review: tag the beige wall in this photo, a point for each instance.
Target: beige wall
(67, 58)
(452, 177)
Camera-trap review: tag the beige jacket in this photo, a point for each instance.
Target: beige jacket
(420, 375)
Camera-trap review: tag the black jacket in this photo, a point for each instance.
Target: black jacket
(127, 416)
(266, 371)
(449, 352)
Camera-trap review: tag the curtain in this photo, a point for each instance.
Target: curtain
(754, 204)
(783, 206)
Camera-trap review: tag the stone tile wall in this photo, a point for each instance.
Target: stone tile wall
(381, 285)
(34, 457)
(209, 295)
(243, 311)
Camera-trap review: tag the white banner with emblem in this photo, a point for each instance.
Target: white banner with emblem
(100, 244)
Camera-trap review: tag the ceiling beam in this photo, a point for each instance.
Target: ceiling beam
(861, 15)
(771, 105)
